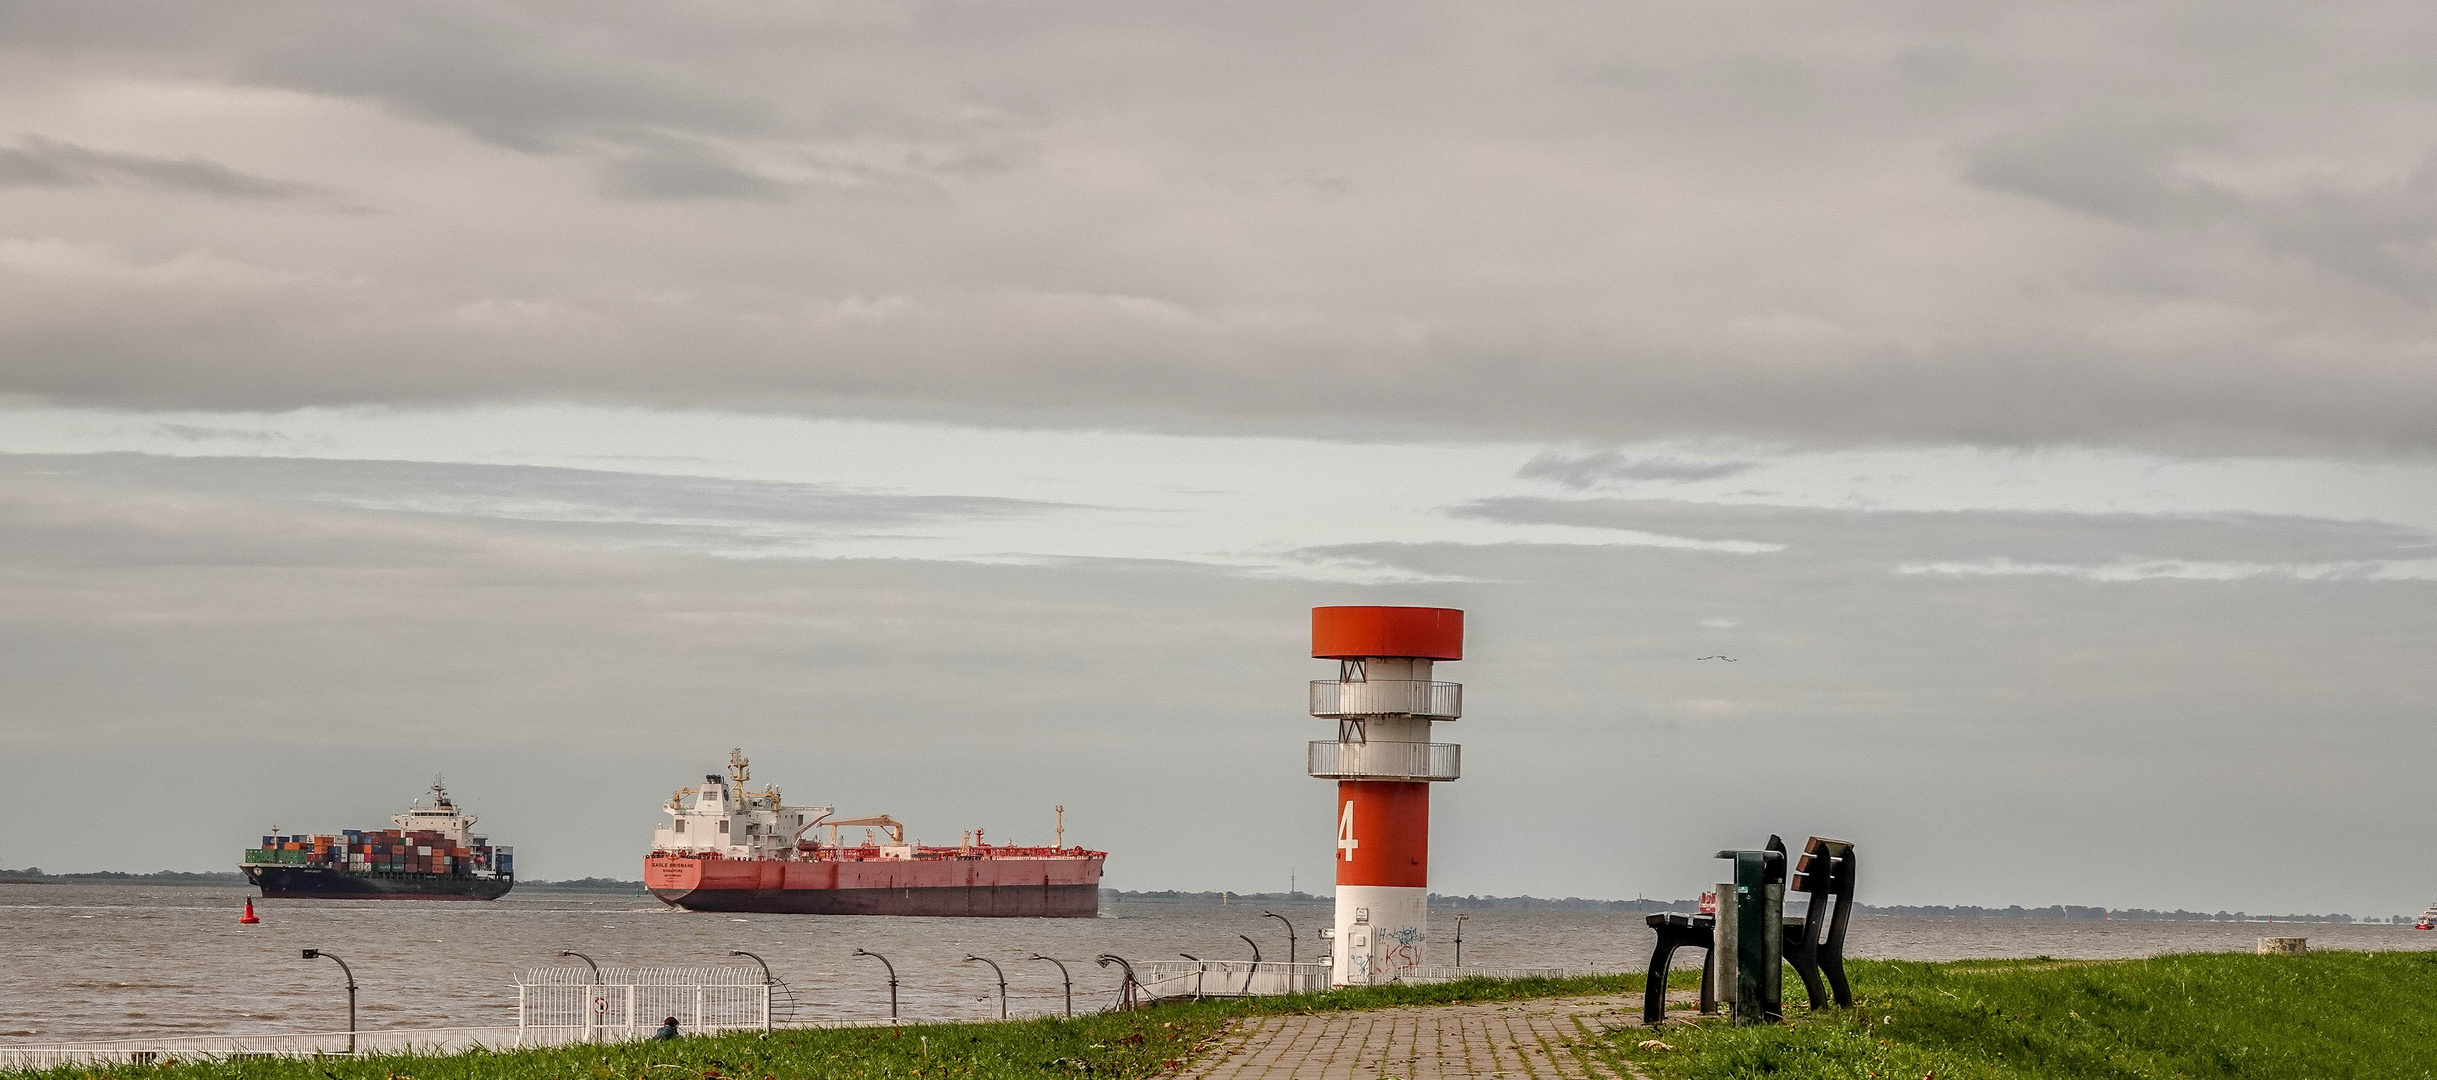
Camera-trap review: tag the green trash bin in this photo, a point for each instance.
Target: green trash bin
(1750, 944)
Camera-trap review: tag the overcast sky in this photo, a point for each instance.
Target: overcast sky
(960, 406)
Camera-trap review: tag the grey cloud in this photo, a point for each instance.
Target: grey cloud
(201, 433)
(43, 162)
(680, 172)
(685, 511)
(1915, 224)
(1885, 537)
(531, 77)
(2112, 170)
(1589, 470)
(2377, 233)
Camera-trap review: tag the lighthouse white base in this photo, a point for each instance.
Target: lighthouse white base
(1380, 933)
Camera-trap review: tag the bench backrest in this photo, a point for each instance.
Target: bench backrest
(1825, 872)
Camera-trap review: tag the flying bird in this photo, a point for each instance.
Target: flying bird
(1728, 659)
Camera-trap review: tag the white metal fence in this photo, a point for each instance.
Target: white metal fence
(578, 1004)
(1227, 978)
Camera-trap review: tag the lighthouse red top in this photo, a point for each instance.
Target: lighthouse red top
(1347, 633)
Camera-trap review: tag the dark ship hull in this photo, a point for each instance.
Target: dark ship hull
(323, 883)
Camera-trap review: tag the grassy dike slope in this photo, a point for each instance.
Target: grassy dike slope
(2328, 1016)
(1101, 1046)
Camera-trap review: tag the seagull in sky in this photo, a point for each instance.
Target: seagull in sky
(1728, 659)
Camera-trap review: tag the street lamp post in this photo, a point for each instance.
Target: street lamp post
(316, 954)
(1459, 938)
(1002, 982)
(1070, 982)
(892, 981)
(596, 968)
(1290, 934)
(593, 1009)
(1125, 989)
(1200, 974)
(766, 981)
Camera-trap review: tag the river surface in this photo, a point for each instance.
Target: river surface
(109, 961)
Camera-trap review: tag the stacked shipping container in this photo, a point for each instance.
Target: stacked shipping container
(395, 851)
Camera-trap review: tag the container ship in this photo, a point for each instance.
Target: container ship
(431, 855)
(730, 848)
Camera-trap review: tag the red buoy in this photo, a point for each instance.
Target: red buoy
(249, 917)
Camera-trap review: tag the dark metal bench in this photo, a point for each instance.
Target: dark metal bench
(1814, 943)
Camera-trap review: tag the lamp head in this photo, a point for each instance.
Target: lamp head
(313, 954)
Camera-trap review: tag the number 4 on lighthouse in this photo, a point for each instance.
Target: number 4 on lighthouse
(1345, 832)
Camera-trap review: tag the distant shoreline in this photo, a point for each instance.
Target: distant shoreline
(2065, 912)
(35, 876)
(231, 879)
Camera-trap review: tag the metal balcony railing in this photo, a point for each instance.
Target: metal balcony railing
(1388, 697)
(1386, 760)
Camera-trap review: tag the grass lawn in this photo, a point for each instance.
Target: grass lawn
(1101, 1046)
(2319, 1017)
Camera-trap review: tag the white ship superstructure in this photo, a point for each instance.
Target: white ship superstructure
(443, 817)
(725, 818)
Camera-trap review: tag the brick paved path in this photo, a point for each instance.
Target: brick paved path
(1543, 1039)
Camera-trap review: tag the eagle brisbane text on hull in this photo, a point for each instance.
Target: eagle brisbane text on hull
(733, 849)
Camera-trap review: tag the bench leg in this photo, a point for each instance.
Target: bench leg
(1709, 982)
(1654, 987)
(1833, 962)
(1806, 961)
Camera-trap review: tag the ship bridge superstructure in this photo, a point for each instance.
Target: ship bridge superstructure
(442, 816)
(724, 817)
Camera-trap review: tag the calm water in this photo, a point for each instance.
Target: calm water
(110, 961)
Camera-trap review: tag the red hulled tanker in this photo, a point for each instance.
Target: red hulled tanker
(729, 848)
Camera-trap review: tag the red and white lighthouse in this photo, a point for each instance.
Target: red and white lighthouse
(1384, 702)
